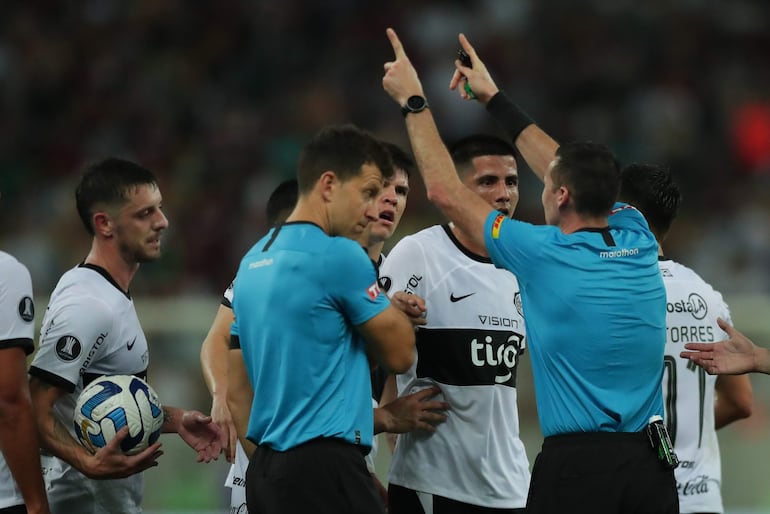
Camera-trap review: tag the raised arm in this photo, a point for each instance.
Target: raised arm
(214, 357)
(458, 203)
(732, 356)
(537, 147)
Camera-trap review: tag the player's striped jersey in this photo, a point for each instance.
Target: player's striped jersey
(89, 329)
(692, 309)
(470, 349)
(17, 315)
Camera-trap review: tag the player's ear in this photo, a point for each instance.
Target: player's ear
(103, 224)
(563, 196)
(327, 184)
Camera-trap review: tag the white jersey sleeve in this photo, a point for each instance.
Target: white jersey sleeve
(227, 297)
(17, 309)
(71, 337)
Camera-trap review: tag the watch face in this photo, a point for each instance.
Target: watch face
(416, 103)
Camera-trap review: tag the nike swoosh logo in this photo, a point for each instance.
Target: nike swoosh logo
(453, 298)
(130, 345)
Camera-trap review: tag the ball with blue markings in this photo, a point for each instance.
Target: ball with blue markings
(112, 402)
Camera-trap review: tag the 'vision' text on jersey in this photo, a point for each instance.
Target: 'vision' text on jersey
(470, 349)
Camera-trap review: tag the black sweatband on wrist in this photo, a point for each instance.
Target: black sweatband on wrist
(508, 115)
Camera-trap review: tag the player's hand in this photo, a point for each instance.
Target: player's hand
(220, 415)
(200, 434)
(111, 462)
(478, 76)
(732, 356)
(412, 305)
(416, 411)
(400, 80)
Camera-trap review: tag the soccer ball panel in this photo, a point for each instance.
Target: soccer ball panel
(111, 402)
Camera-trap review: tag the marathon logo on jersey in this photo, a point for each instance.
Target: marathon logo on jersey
(68, 348)
(496, 226)
(621, 252)
(373, 291)
(694, 304)
(27, 309)
(469, 357)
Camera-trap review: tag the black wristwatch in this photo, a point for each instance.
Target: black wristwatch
(415, 103)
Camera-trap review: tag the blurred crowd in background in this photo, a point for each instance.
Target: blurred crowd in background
(218, 97)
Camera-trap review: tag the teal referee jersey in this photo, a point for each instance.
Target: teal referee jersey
(595, 307)
(298, 296)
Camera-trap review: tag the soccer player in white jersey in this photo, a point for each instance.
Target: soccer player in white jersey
(91, 329)
(696, 404)
(21, 482)
(469, 348)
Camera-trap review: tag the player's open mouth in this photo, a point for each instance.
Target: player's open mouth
(388, 216)
(504, 211)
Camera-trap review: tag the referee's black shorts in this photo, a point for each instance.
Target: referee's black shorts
(321, 476)
(601, 473)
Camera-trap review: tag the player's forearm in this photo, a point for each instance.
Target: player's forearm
(734, 399)
(762, 360)
(382, 420)
(214, 353)
(537, 147)
(214, 368)
(53, 436)
(57, 440)
(172, 419)
(442, 184)
(20, 447)
(240, 408)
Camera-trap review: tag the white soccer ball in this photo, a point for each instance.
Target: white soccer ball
(111, 402)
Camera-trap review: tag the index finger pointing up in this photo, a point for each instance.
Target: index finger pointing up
(398, 48)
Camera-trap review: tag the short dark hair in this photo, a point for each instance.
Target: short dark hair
(651, 189)
(401, 158)
(591, 173)
(343, 149)
(109, 182)
(466, 149)
(281, 202)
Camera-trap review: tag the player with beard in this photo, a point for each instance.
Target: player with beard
(469, 348)
(90, 329)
